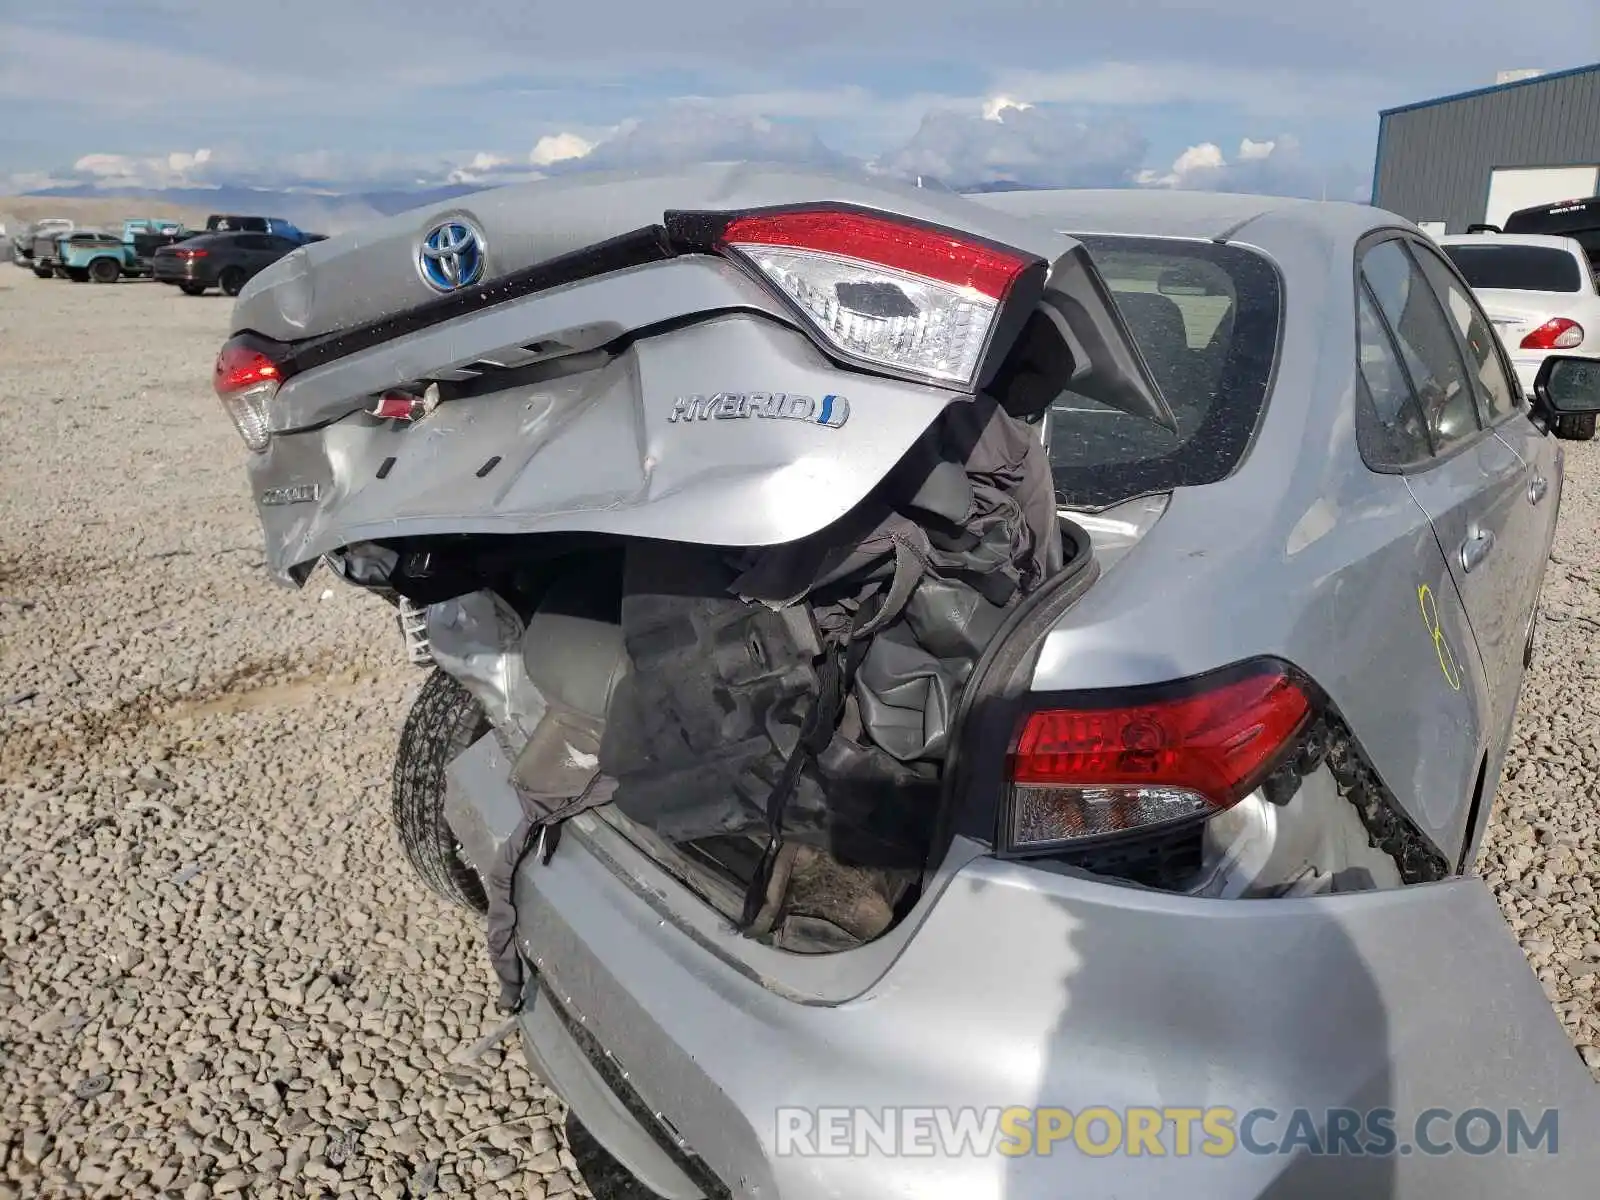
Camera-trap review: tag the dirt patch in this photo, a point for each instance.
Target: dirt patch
(273, 695)
(279, 682)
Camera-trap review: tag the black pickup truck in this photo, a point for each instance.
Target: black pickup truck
(1577, 219)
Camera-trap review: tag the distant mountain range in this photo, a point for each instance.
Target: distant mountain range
(326, 211)
(321, 211)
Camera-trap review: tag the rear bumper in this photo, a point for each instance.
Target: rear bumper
(170, 271)
(1027, 988)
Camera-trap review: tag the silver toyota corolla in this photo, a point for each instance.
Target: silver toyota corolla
(952, 697)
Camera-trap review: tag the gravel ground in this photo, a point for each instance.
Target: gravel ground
(218, 976)
(216, 972)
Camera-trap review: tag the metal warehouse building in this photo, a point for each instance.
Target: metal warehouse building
(1481, 155)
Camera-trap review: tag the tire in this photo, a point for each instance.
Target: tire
(232, 281)
(78, 274)
(444, 720)
(192, 289)
(105, 270)
(1576, 428)
(43, 272)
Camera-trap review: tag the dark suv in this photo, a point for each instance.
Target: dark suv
(219, 260)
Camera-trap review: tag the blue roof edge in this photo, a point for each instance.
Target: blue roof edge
(1493, 87)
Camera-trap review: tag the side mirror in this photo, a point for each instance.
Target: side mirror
(1568, 386)
(1566, 396)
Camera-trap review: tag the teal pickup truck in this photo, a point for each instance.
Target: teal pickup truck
(104, 257)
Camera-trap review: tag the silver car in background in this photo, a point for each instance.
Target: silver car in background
(1212, 795)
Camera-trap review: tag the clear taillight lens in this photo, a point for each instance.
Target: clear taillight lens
(914, 300)
(1095, 771)
(246, 380)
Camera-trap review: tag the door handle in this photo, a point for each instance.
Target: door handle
(1537, 487)
(1476, 548)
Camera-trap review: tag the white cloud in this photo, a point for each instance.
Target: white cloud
(483, 168)
(994, 142)
(995, 105)
(1019, 144)
(175, 169)
(1273, 167)
(558, 147)
(693, 132)
(1255, 91)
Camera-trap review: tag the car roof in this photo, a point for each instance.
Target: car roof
(1173, 213)
(1549, 240)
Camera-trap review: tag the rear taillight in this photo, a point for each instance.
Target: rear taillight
(1080, 772)
(189, 254)
(887, 293)
(1558, 333)
(246, 380)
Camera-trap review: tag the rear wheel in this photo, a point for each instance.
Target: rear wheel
(444, 720)
(1578, 428)
(42, 272)
(78, 274)
(105, 270)
(192, 289)
(232, 281)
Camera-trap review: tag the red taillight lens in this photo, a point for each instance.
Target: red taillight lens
(891, 294)
(192, 253)
(246, 380)
(1558, 333)
(1093, 771)
(886, 243)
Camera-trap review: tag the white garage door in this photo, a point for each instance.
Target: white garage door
(1511, 188)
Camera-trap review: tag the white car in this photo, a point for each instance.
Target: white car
(1540, 292)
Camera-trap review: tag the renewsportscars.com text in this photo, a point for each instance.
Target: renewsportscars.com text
(1211, 1132)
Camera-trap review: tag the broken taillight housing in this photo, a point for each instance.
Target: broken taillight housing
(885, 292)
(246, 380)
(1081, 772)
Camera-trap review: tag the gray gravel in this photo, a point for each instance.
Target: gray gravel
(219, 977)
(217, 974)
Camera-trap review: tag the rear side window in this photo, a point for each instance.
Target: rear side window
(1390, 432)
(1517, 268)
(1206, 318)
(1426, 343)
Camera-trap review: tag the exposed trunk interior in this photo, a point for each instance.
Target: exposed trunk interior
(770, 724)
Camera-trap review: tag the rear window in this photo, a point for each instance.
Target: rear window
(1206, 318)
(1517, 268)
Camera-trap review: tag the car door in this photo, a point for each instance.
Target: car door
(1509, 414)
(1423, 720)
(254, 251)
(1474, 493)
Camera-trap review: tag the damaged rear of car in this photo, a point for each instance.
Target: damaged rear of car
(844, 699)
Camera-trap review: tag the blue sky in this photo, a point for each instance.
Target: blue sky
(1261, 95)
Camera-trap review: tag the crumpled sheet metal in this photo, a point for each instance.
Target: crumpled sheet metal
(477, 638)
